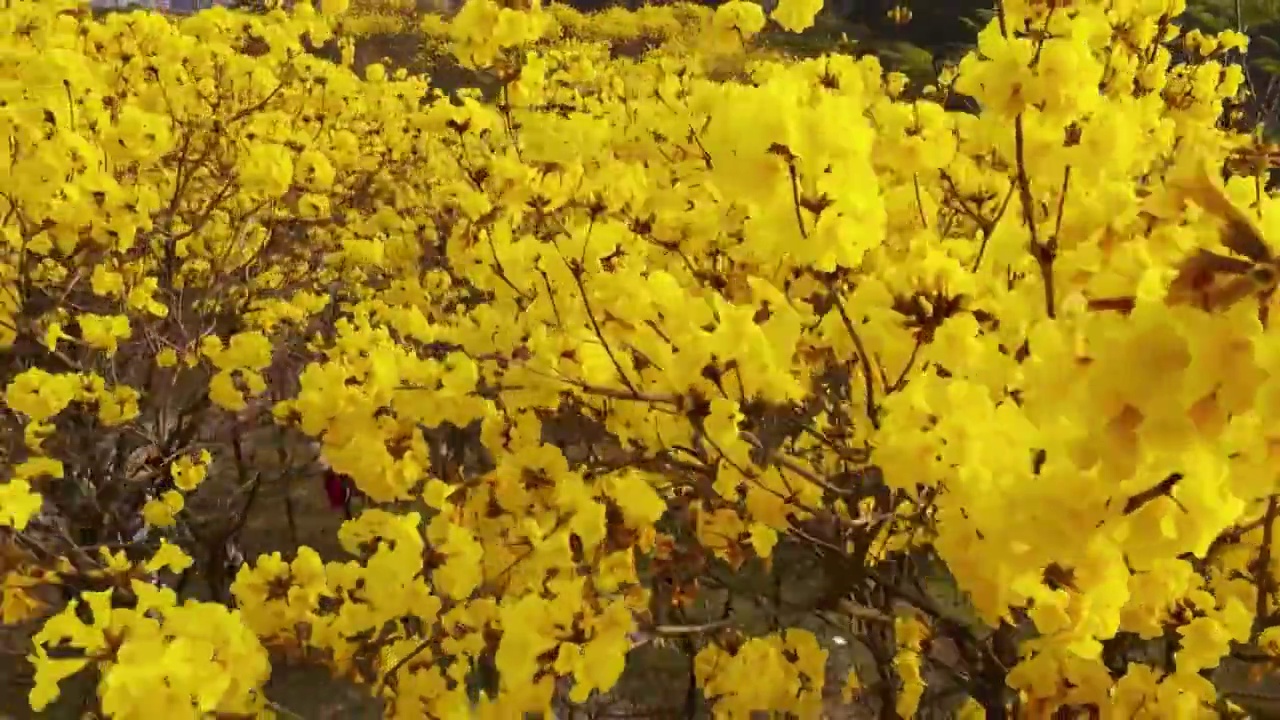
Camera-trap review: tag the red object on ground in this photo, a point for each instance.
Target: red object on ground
(338, 488)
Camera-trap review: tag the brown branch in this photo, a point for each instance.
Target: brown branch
(1044, 253)
(864, 359)
(1262, 573)
(1160, 489)
(991, 227)
(794, 467)
(577, 274)
(673, 630)
(607, 392)
(389, 676)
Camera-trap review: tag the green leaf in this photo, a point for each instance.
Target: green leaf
(1218, 15)
(1270, 66)
(910, 59)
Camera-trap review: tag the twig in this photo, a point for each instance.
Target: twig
(576, 273)
(390, 674)
(1262, 575)
(792, 466)
(1160, 489)
(864, 359)
(674, 630)
(282, 710)
(915, 180)
(991, 227)
(602, 391)
(860, 612)
(1044, 253)
(795, 193)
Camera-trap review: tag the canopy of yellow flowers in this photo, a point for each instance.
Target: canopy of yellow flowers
(777, 304)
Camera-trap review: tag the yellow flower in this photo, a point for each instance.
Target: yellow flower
(223, 391)
(161, 512)
(49, 672)
(115, 563)
(104, 332)
(40, 395)
(17, 601)
(247, 350)
(38, 467)
(117, 405)
(267, 169)
(53, 334)
(188, 473)
(316, 170)
(18, 503)
(735, 22)
(141, 298)
(796, 15)
(436, 493)
(640, 503)
(169, 556)
(462, 572)
(763, 539)
(333, 7)
(106, 282)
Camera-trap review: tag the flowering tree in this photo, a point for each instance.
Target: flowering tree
(687, 346)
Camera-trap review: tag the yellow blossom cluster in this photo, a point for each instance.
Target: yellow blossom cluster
(594, 350)
(377, 17)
